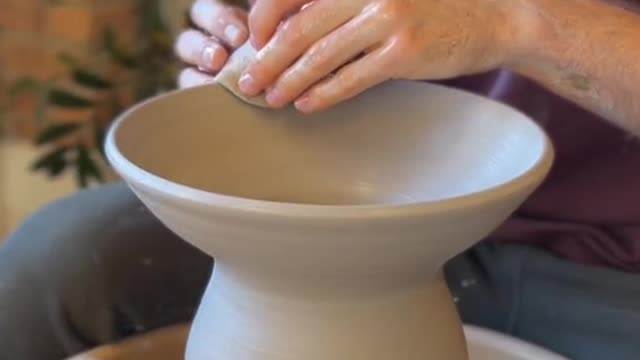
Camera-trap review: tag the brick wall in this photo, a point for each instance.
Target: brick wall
(34, 32)
(32, 35)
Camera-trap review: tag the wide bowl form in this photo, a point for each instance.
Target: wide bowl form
(329, 230)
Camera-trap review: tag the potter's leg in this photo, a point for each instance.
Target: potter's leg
(90, 269)
(582, 312)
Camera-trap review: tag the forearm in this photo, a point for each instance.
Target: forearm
(587, 51)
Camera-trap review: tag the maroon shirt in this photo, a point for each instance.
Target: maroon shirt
(588, 209)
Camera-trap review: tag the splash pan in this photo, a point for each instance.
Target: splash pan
(168, 344)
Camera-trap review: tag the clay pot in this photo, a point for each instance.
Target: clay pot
(330, 230)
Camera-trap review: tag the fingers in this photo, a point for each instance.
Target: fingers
(292, 40)
(225, 22)
(191, 77)
(350, 81)
(327, 55)
(266, 15)
(196, 49)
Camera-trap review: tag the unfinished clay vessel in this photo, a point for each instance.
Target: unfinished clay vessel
(330, 231)
(168, 344)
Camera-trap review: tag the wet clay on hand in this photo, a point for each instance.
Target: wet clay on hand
(229, 75)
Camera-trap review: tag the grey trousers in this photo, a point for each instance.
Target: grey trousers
(98, 267)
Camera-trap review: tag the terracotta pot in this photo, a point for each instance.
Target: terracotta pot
(330, 230)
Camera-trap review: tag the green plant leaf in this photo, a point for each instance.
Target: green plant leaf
(161, 40)
(81, 178)
(99, 135)
(152, 16)
(110, 44)
(116, 106)
(22, 86)
(86, 168)
(41, 106)
(68, 60)
(83, 76)
(91, 80)
(55, 132)
(109, 39)
(3, 118)
(64, 98)
(56, 168)
(49, 159)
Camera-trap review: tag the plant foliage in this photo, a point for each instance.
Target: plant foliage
(77, 146)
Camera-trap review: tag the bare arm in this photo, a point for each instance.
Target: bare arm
(587, 51)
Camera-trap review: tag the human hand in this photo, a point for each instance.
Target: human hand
(221, 29)
(369, 41)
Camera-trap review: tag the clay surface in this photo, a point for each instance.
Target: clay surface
(230, 74)
(168, 344)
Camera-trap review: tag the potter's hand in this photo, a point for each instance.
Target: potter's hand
(370, 41)
(221, 28)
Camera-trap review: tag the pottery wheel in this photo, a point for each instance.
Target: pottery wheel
(168, 344)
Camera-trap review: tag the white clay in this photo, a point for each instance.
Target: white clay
(330, 230)
(231, 72)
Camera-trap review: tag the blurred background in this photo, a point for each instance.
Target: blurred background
(67, 69)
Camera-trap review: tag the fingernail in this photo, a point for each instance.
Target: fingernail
(232, 34)
(255, 43)
(207, 57)
(247, 84)
(304, 104)
(274, 98)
